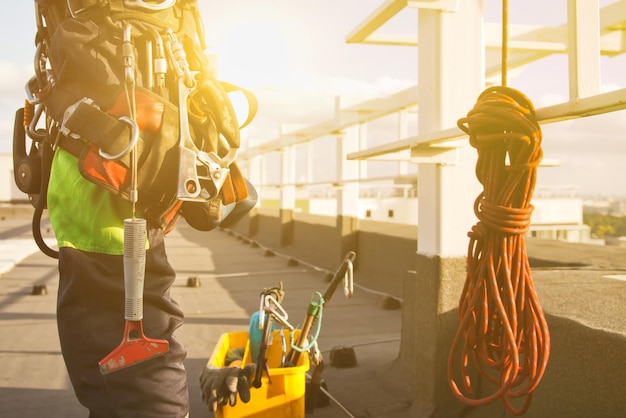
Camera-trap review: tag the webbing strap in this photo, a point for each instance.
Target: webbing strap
(253, 105)
(71, 145)
(101, 129)
(234, 190)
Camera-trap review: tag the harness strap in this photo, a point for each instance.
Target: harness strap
(75, 147)
(234, 190)
(115, 173)
(101, 129)
(253, 105)
(99, 136)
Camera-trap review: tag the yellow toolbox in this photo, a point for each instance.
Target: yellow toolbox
(282, 396)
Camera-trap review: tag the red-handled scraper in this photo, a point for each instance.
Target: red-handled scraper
(135, 346)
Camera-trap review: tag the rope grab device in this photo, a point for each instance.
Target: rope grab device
(503, 336)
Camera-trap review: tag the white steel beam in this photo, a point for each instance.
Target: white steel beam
(577, 108)
(526, 44)
(583, 19)
(349, 116)
(348, 193)
(447, 192)
(288, 178)
(387, 39)
(375, 20)
(524, 41)
(612, 22)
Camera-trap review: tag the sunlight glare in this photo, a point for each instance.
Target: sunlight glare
(254, 54)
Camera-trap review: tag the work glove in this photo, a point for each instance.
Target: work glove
(220, 386)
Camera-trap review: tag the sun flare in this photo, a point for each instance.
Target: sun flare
(254, 53)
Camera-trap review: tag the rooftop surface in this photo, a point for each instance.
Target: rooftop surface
(232, 274)
(583, 283)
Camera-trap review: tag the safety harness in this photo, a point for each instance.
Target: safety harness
(116, 75)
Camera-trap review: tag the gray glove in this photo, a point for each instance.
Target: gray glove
(220, 385)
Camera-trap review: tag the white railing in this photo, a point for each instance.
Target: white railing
(592, 32)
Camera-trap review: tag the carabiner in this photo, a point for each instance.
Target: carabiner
(348, 280)
(262, 312)
(276, 310)
(134, 137)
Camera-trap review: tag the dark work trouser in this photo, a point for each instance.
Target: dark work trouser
(90, 316)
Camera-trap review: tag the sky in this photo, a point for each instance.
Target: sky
(292, 54)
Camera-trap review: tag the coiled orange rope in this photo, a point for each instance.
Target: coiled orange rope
(503, 335)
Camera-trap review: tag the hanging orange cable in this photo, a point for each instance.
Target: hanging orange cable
(503, 336)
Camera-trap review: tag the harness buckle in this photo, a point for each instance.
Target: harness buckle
(271, 306)
(196, 187)
(69, 112)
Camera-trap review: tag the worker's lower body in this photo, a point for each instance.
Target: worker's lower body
(90, 316)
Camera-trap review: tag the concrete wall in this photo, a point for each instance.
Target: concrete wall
(385, 251)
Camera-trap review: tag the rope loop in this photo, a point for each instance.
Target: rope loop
(506, 220)
(503, 336)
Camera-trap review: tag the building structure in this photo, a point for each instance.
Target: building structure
(451, 35)
(446, 188)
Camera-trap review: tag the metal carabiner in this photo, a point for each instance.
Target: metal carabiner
(348, 280)
(140, 4)
(128, 55)
(276, 310)
(190, 186)
(35, 134)
(262, 312)
(39, 85)
(134, 137)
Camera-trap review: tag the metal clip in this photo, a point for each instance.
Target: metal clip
(38, 135)
(128, 55)
(269, 305)
(33, 92)
(191, 185)
(262, 312)
(276, 310)
(178, 57)
(159, 65)
(40, 84)
(315, 354)
(348, 280)
(134, 137)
